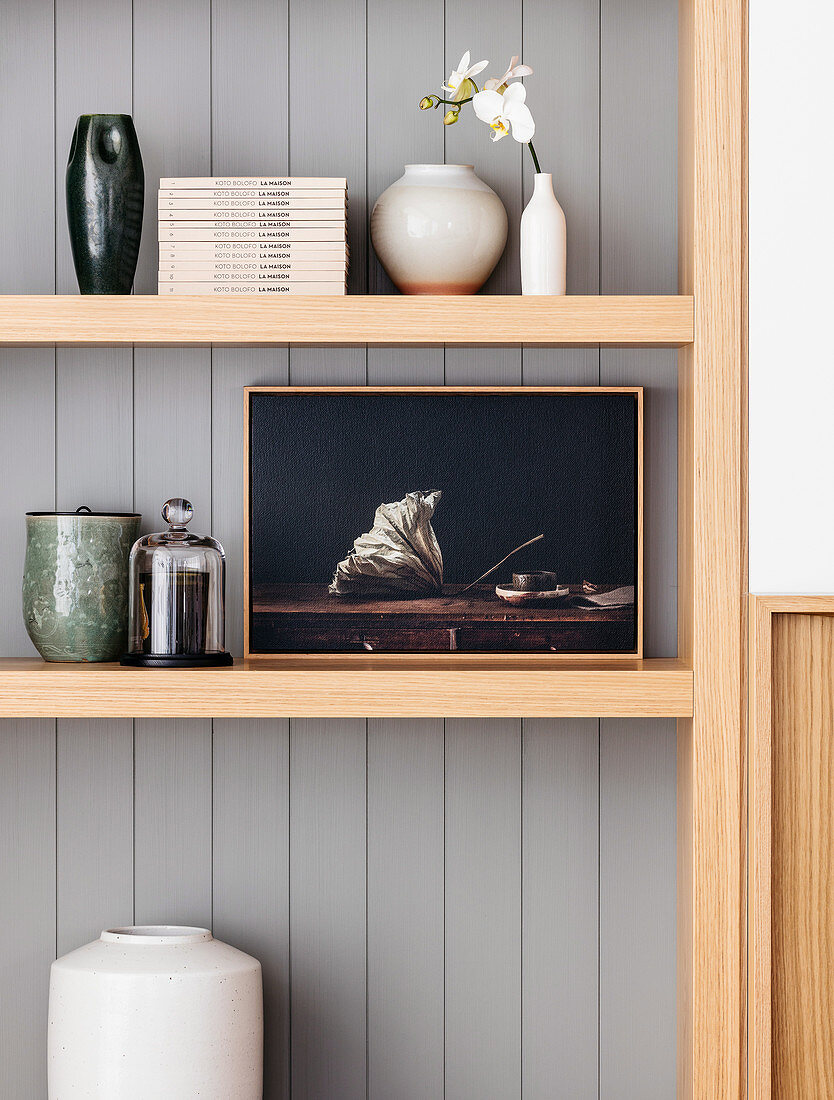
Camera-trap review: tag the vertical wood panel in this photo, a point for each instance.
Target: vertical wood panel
(27, 456)
(495, 32)
(94, 827)
(251, 868)
(327, 107)
(398, 133)
(173, 823)
(639, 256)
(802, 941)
(405, 908)
(27, 432)
(492, 31)
(560, 908)
(94, 429)
(27, 202)
(27, 901)
(561, 45)
(172, 106)
(172, 433)
(712, 507)
(90, 78)
(638, 227)
(232, 369)
(759, 961)
(483, 909)
(638, 139)
(94, 398)
(637, 909)
(393, 366)
(172, 456)
(405, 856)
(327, 138)
(328, 759)
(328, 791)
(93, 466)
(172, 388)
(27, 266)
(249, 87)
(172, 449)
(246, 139)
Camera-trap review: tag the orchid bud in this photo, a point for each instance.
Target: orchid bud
(425, 103)
(450, 118)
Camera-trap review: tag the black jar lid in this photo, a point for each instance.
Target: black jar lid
(84, 512)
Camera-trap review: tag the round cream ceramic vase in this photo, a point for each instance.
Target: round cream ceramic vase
(439, 230)
(156, 1011)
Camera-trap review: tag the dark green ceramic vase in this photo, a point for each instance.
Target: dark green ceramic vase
(105, 202)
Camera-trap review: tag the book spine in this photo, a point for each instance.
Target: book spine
(262, 233)
(335, 288)
(210, 251)
(336, 227)
(199, 269)
(176, 278)
(241, 193)
(202, 247)
(173, 207)
(255, 214)
(210, 182)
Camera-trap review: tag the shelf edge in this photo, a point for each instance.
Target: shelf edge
(376, 320)
(56, 692)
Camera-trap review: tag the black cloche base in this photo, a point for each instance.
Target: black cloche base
(177, 660)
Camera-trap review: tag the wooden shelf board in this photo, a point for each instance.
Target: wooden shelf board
(328, 686)
(480, 320)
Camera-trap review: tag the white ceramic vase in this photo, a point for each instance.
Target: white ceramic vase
(439, 229)
(156, 1011)
(543, 241)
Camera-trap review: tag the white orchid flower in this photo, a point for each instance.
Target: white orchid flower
(457, 81)
(502, 112)
(514, 70)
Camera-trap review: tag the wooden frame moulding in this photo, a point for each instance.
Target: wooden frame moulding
(760, 818)
(712, 555)
(497, 659)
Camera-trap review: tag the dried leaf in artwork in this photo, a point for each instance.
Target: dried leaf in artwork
(399, 554)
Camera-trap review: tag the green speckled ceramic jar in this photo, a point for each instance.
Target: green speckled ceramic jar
(75, 583)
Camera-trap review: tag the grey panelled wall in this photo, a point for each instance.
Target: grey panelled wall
(475, 909)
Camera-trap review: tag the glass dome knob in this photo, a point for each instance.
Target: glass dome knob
(177, 512)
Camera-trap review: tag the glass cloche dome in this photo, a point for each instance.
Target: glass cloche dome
(177, 594)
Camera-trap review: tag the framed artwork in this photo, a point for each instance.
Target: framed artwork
(438, 520)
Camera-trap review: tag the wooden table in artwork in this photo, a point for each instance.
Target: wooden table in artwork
(306, 618)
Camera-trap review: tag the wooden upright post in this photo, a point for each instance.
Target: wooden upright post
(712, 571)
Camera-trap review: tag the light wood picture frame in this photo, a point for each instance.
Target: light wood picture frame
(305, 620)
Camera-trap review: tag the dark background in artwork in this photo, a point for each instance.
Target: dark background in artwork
(510, 466)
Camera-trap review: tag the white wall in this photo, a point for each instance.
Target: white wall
(791, 300)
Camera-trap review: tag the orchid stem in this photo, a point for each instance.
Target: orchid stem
(452, 102)
(533, 155)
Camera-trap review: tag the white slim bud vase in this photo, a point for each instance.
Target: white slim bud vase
(543, 240)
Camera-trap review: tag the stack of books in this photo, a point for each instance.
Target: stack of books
(253, 235)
